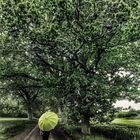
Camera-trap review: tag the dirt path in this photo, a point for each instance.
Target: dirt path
(34, 134)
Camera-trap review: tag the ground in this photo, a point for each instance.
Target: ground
(29, 134)
(23, 129)
(34, 134)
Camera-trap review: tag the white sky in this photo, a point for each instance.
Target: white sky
(126, 104)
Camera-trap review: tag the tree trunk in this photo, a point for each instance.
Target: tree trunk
(86, 125)
(30, 112)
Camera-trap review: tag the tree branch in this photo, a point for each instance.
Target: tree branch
(23, 75)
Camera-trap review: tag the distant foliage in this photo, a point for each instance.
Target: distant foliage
(9, 107)
(129, 114)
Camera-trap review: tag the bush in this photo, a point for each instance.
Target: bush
(129, 114)
(7, 110)
(117, 132)
(17, 115)
(110, 131)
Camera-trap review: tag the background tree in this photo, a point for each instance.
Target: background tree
(19, 79)
(79, 47)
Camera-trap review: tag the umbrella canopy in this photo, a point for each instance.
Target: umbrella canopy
(48, 121)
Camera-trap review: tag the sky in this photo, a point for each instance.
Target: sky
(126, 104)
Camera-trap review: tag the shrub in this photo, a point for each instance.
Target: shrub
(110, 131)
(117, 132)
(129, 114)
(11, 111)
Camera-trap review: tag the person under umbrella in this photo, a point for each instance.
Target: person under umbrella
(46, 123)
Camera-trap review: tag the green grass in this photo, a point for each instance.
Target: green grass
(120, 128)
(10, 127)
(12, 119)
(128, 122)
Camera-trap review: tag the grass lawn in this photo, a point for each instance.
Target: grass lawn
(12, 119)
(128, 122)
(10, 127)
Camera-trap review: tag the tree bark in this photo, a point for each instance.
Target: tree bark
(30, 112)
(86, 125)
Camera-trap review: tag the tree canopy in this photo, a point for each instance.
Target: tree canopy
(83, 53)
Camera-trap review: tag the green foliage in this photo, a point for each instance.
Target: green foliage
(10, 107)
(83, 137)
(129, 114)
(80, 54)
(127, 122)
(117, 132)
(11, 127)
(75, 133)
(110, 131)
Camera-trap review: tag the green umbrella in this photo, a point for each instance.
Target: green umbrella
(48, 121)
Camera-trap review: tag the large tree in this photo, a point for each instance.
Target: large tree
(16, 80)
(82, 46)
